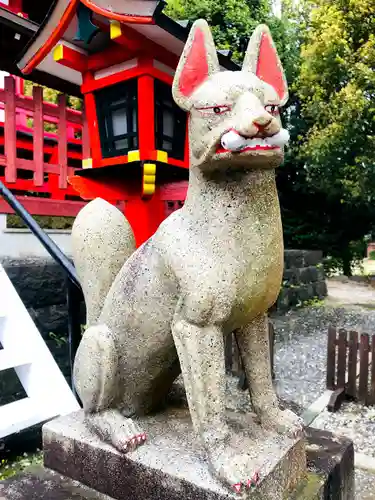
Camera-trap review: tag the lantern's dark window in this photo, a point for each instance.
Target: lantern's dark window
(117, 117)
(170, 122)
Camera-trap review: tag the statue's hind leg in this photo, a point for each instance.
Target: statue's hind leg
(96, 379)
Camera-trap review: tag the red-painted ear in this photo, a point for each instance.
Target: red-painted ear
(262, 59)
(195, 69)
(269, 68)
(198, 61)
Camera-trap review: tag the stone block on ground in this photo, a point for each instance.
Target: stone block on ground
(320, 289)
(171, 465)
(302, 258)
(308, 274)
(39, 483)
(332, 457)
(312, 257)
(39, 282)
(330, 476)
(293, 258)
(305, 292)
(291, 276)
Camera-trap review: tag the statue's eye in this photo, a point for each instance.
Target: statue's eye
(273, 109)
(218, 110)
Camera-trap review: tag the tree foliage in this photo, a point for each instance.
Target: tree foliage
(51, 95)
(336, 89)
(231, 21)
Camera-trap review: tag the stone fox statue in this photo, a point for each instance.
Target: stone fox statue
(212, 268)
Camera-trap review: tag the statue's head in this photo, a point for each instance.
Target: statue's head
(234, 115)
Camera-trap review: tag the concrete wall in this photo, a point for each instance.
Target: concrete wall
(22, 244)
(41, 286)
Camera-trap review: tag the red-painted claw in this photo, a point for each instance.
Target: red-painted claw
(237, 487)
(298, 433)
(135, 441)
(254, 481)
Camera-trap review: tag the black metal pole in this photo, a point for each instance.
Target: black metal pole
(44, 239)
(74, 298)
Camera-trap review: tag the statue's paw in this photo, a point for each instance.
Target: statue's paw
(128, 437)
(123, 433)
(236, 471)
(283, 422)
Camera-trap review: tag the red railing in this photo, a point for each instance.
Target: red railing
(35, 164)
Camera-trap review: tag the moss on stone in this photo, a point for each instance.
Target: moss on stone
(310, 488)
(11, 467)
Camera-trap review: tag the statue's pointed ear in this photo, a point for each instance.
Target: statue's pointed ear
(198, 61)
(262, 59)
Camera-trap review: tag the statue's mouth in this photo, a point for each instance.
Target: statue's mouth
(233, 142)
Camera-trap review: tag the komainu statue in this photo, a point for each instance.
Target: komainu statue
(212, 268)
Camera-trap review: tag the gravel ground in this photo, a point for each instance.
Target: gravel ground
(353, 421)
(301, 344)
(365, 485)
(300, 365)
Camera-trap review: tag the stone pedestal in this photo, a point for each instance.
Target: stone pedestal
(330, 472)
(171, 465)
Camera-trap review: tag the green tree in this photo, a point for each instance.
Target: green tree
(51, 95)
(336, 89)
(326, 184)
(231, 21)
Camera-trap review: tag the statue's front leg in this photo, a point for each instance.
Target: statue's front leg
(253, 342)
(201, 353)
(96, 377)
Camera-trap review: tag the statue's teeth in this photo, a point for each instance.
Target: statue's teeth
(232, 141)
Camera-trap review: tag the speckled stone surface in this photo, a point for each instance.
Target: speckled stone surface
(171, 465)
(38, 483)
(212, 268)
(171, 468)
(330, 477)
(102, 240)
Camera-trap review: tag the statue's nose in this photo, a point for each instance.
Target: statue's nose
(257, 127)
(260, 126)
(262, 122)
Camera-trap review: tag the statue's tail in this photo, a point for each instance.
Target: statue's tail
(102, 240)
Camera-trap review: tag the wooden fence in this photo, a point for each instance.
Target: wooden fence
(233, 363)
(350, 367)
(37, 163)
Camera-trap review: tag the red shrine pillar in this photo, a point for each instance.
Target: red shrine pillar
(144, 216)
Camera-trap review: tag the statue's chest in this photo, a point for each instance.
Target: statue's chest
(248, 273)
(227, 270)
(233, 283)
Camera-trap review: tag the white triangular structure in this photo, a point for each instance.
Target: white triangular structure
(48, 394)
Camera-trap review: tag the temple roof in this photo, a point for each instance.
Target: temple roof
(62, 23)
(15, 34)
